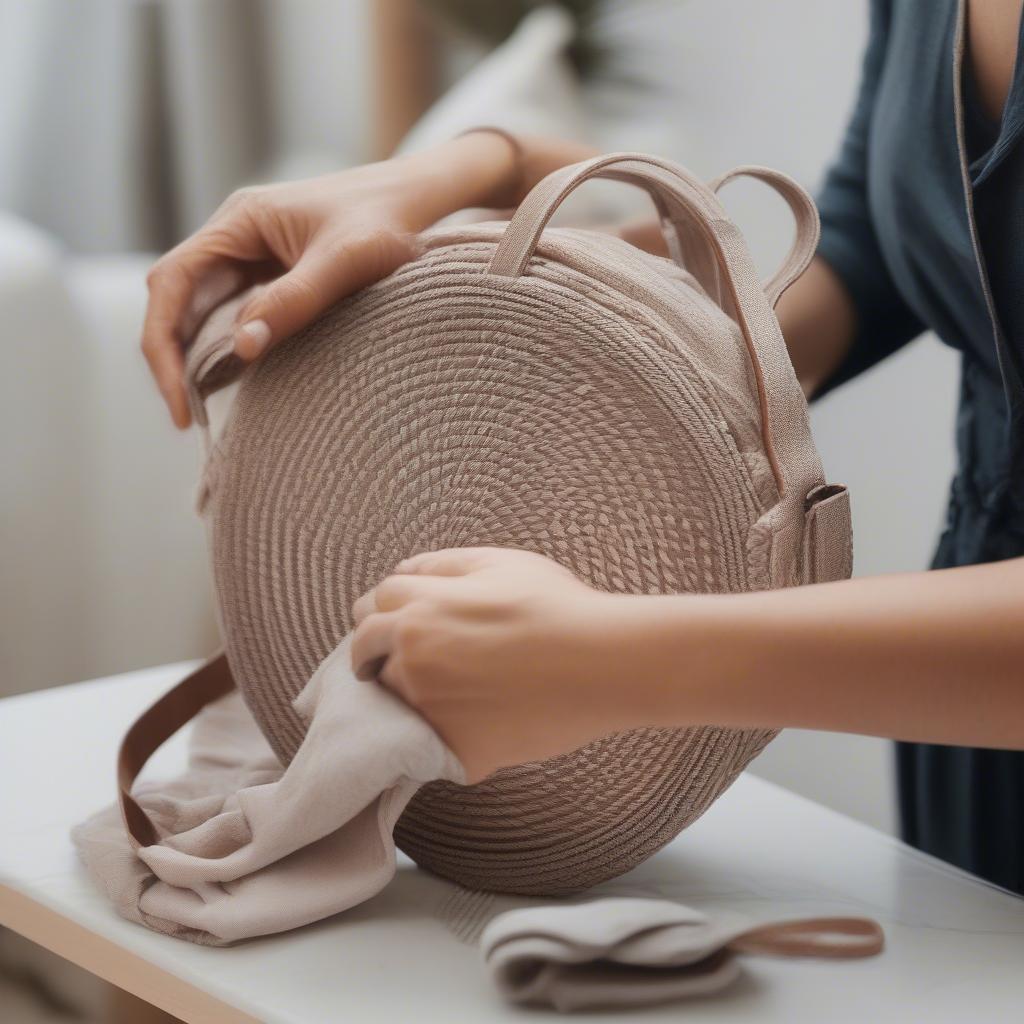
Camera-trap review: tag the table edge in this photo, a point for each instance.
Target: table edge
(113, 962)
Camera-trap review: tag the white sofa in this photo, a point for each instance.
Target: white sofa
(102, 567)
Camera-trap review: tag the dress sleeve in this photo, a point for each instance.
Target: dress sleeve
(848, 240)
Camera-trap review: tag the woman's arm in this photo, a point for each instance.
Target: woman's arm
(316, 241)
(819, 323)
(934, 657)
(512, 658)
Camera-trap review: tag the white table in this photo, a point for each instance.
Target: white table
(955, 945)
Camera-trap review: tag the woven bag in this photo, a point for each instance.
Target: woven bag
(635, 418)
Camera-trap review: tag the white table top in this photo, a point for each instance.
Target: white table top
(955, 945)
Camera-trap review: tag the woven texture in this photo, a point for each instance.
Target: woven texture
(599, 408)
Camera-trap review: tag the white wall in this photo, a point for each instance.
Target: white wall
(125, 123)
(772, 83)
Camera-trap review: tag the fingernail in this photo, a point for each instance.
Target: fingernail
(252, 338)
(176, 404)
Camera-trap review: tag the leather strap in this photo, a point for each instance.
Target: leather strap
(713, 250)
(841, 938)
(157, 725)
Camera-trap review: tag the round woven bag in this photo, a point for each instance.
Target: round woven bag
(632, 417)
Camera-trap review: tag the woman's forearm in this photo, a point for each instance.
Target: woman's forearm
(933, 657)
(818, 322)
(482, 169)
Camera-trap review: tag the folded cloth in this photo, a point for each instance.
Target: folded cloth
(621, 951)
(249, 848)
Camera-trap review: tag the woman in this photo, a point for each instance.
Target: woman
(514, 659)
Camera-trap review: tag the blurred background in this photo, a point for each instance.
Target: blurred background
(124, 123)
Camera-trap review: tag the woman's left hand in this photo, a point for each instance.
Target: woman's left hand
(507, 654)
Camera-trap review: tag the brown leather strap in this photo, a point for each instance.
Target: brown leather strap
(154, 727)
(838, 938)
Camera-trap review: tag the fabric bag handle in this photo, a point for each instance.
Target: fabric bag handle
(805, 219)
(703, 238)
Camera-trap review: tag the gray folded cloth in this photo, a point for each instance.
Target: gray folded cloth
(611, 952)
(627, 952)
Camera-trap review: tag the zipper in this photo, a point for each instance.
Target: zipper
(1012, 386)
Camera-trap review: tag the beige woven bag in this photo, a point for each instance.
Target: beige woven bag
(634, 418)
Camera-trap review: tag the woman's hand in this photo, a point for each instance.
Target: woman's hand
(508, 655)
(315, 241)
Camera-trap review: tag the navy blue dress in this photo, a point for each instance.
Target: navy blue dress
(923, 219)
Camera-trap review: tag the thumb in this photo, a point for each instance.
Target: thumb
(448, 561)
(324, 275)
(288, 303)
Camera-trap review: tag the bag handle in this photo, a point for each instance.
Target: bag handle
(153, 728)
(839, 938)
(711, 247)
(805, 218)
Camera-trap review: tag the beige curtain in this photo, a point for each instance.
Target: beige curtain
(123, 123)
